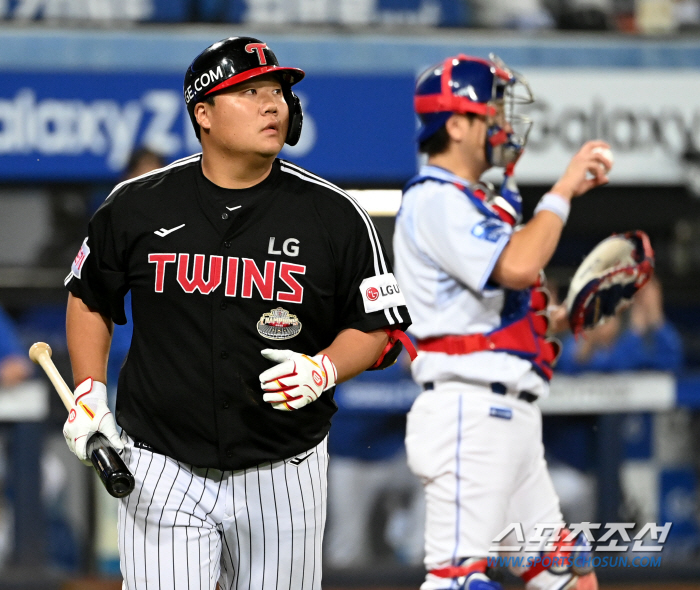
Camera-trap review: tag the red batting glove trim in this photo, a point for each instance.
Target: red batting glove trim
(85, 393)
(292, 374)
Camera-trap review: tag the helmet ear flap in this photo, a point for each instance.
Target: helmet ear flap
(296, 118)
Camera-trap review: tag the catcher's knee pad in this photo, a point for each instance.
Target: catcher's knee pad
(567, 567)
(471, 574)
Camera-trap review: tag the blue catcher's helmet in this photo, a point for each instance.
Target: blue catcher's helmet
(464, 84)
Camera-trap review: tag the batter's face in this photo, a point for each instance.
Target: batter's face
(249, 118)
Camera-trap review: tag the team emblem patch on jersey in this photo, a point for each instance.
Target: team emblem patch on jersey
(490, 230)
(279, 324)
(77, 266)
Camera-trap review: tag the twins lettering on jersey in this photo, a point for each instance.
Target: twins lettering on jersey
(206, 276)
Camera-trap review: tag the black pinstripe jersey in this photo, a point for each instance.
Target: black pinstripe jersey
(217, 275)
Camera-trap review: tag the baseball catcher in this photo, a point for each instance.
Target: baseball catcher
(480, 317)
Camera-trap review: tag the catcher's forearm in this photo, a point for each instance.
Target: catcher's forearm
(89, 336)
(528, 251)
(353, 351)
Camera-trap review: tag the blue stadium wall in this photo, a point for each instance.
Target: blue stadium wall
(74, 103)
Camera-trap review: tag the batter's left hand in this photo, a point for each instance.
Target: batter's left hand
(298, 379)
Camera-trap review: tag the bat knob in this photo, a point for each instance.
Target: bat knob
(37, 350)
(115, 475)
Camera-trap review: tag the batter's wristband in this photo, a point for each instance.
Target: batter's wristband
(556, 204)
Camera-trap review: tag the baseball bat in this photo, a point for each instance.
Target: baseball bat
(115, 475)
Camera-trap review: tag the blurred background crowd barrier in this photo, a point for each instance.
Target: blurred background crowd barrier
(91, 93)
(646, 16)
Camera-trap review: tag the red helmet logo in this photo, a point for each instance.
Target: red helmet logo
(257, 48)
(317, 378)
(372, 294)
(71, 415)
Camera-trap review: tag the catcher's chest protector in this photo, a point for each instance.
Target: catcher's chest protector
(524, 333)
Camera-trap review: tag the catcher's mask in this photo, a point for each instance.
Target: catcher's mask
(235, 60)
(464, 84)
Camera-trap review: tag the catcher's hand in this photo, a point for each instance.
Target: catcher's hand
(298, 380)
(607, 279)
(587, 169)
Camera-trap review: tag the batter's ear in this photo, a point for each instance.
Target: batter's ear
(201, 115)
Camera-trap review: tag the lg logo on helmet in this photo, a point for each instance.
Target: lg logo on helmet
(257, 48)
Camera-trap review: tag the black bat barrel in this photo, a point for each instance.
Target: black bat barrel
(115, 475)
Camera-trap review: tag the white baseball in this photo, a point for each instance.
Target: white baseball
(606, 153)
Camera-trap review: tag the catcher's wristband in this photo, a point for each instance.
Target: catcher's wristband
(556, 204)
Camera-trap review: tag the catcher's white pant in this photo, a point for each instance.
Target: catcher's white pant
(481, 459)
(189, 528)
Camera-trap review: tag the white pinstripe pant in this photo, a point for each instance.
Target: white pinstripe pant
(256, 529)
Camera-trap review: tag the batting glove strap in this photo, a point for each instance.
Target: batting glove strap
(297, 380)
(89, 415)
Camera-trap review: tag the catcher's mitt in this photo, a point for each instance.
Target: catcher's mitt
(607, 279)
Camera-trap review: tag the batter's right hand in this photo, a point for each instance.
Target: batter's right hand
(586, 170)
(89, 414)
(297, 380)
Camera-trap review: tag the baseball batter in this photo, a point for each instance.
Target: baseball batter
(256, 287)
(472, 283)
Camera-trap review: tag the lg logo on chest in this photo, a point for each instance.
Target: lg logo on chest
(239, 276)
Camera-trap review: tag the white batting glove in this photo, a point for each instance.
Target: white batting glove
(298, 379)
(89, 414)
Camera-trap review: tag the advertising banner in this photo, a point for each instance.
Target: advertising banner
(358, 128)
(66, 126)
(649, 117)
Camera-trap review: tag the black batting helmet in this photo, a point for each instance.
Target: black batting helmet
(234, 60)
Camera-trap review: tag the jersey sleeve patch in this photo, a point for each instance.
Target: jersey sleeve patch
(381, 292)
(77, 266)
(490, 230)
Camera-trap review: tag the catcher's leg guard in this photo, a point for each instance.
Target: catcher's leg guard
(567, 567)
(470, 575)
